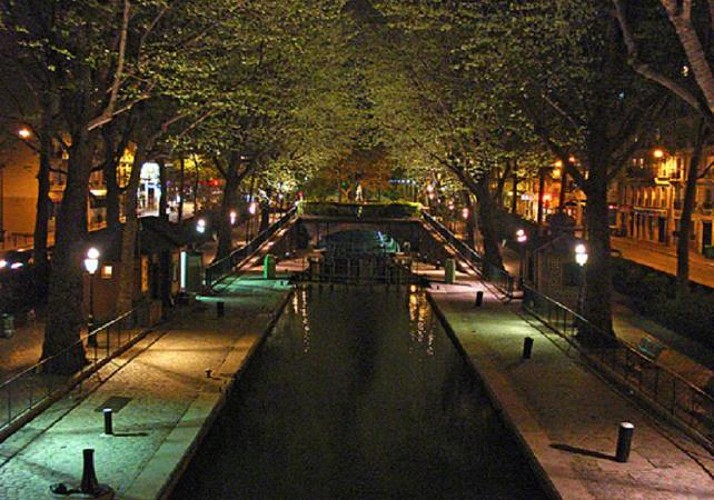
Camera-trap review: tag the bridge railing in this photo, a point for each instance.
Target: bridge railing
(501, 278)
(628, 365)
(218, 270)
(37, 386)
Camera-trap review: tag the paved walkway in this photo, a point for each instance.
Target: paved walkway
(685, 357)
(567, 415)
(163, 398)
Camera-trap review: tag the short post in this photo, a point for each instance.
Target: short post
(89, 482)
(220, 309)
(624, 441)
(449, 271)
(527, 347)
(269, 267)
(108, 421)
(479, 298)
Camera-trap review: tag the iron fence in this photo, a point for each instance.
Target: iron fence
(500, 278)
(218, 270)
(631, 366)
(36, 386)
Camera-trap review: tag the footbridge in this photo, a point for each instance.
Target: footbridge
(407, 238)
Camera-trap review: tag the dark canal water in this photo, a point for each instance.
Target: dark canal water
(358, 393)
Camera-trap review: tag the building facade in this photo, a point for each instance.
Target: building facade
(650, 195)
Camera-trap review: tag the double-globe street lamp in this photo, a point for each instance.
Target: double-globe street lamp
(91, 264)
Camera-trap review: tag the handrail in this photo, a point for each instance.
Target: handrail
(219, 269)
(501, 278)
(27, 392)
(623, 363)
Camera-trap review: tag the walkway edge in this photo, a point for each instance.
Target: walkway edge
(547, 464)
(161, 473)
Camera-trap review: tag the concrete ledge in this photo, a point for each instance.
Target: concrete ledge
(166, 464)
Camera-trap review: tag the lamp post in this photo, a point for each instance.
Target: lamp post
(91, 263)
(521, 238)
(581, 257)
(252, 209)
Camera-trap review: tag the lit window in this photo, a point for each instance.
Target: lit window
(106, 272)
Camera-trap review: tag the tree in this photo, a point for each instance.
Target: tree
(685, 71)
(92, 74)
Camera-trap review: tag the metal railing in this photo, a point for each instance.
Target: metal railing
(218, 270)
(500, 278)
(628, 365)
(39, 385)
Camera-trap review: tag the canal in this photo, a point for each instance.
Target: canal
(358, 393)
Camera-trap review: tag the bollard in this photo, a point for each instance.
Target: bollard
(527, 347)
(479, 298)
(624, 441)
(220, 309)
(89, 483)
(108, 421)
(450, 271)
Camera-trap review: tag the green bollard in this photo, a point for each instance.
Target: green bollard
(269, 267)
(449, 271)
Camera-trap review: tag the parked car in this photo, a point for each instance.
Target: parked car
(13, 260)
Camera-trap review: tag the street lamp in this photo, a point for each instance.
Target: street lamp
(91, 263)
(252, 209)
(581, 254)
(521, 238)
(581, 257)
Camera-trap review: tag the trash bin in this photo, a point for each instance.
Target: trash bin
(449, 271)
(269, 267)
(8, 325)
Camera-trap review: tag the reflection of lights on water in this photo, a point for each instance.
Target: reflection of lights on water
(300, 307)
(421, 323)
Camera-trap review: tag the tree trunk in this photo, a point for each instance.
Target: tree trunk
(182, 178)
(501, 184)
(265, 211)
(514, 199)
(487, 224)
(228, 203)
(470, 216)
(110, 176)
(164, 199)
(129, 235)
(43, 185)
(597, 289)
(65, 317)
(685, 221)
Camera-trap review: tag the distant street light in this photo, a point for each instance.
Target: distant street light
(581, 254)
(201, 226)
(91, 264)
(521, 238)
(581, 257)
(252, 210)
